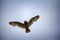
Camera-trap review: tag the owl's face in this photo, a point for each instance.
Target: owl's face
(12, 23)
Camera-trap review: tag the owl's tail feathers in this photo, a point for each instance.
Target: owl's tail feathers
(27, 30)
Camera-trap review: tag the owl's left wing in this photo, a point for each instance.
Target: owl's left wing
(15, 23)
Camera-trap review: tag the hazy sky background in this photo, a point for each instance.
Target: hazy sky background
(46, 28)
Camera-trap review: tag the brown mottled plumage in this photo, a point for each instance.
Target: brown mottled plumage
(26, 24)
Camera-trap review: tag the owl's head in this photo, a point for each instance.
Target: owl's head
(25, 22)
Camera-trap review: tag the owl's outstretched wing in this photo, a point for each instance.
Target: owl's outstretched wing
(34, 19)
(15, 23)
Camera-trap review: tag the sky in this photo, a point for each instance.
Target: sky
(45, 28)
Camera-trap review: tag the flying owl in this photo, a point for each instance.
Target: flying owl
(26, 24)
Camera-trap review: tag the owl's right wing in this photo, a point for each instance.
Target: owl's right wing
(15, 23)
(34, 19)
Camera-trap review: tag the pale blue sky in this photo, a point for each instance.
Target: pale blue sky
(21, 10)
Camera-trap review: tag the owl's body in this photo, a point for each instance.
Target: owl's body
(24, 25)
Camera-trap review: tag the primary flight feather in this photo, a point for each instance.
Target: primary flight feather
(26, 24)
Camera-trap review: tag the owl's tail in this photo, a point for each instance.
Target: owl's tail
(27, 30)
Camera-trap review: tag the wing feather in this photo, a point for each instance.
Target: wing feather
(15, 23)
(34, 19)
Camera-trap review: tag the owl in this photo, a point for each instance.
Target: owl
(26, 24)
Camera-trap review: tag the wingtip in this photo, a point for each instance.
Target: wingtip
(38, 16)
(9, 22)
